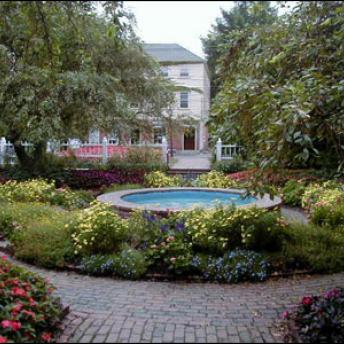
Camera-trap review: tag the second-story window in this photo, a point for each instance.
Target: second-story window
(164, 71)
(184, 100)
(184, 73)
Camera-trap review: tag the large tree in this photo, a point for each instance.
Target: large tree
(242, 15)
(65, 69)
(283, 86)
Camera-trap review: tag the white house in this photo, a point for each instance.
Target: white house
(186, 69)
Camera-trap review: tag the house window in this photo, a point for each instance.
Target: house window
(135, 137)
(184, 72)
(158, 134)
(184, 100)
(164, 71)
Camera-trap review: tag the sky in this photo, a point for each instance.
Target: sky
(182, 22)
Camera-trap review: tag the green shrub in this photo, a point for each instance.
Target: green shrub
(131, 264)
(98, 229)
(143, 228)
(98, 265)
(171, 252)
(215, 179)
(40, 237)
(223, 228)
(329, 193)
(159, 179)
(18, 215)
(236, 164)
(29, 312)
(233, 267)
(318, 248)
(316, 319)
(293, 191)
(328, 215)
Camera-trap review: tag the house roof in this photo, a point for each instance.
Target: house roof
(174, 53)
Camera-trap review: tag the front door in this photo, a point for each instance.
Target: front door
(189, 138)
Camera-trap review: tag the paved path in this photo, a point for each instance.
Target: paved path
(108, 310)
(191, 161)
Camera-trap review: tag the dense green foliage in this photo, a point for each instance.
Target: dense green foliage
(38, 233)
(282, 88)
(244, 14)
(64, 69)
(317, 319)
(28, 310)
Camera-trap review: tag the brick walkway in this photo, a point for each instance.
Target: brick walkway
(108, 310)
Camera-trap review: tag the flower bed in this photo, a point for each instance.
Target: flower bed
(28, 311)
(317, 319)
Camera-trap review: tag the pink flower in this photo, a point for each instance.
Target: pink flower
(3, 339)
(170, 238)
(307, 300)
(18, 292)
(14, 325)
(33, 303)
(46, 336)
(30, 313)
(285, 315)
(4, 257)
(173, 260)
(17, 308)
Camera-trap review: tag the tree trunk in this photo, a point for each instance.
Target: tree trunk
(33, 162)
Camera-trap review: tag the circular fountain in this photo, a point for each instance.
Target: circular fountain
(164, 200)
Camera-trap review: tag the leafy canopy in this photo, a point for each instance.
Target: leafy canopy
(282, 88)
(65, 69)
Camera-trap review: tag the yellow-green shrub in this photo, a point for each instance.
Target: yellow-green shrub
(215, 179)
(40, 190)
(226, 228)
(98, 229)
(159, 179)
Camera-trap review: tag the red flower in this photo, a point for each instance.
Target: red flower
(14, 325)
(47, 336)
(17, 308)
(33, 303)
(30, 313)
(18, 292)
(3, 339)
(307, 300)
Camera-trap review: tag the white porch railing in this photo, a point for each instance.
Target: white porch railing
(226, 152)
(82, 150)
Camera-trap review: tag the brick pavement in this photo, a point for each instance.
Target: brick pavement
(108, 310)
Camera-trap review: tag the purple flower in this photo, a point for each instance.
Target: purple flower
(180, 226)
(164, 228)
(149, 217)
(332, 293)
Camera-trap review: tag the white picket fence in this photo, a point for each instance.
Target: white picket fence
(82, 150)
(226, 152)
